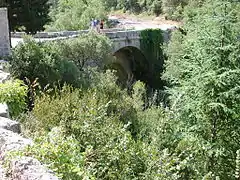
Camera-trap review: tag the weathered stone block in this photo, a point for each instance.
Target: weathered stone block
(4, 33)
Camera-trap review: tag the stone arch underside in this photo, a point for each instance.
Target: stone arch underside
(130, 65)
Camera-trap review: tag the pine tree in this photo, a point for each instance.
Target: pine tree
(205, 70)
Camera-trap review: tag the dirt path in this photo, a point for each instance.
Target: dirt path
(138, 23)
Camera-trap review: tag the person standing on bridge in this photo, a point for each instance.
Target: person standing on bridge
(96, 25)
(92, 24)
(101, 24)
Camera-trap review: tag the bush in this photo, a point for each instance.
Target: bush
(89, 49)
(109, 135)
(157, 7)
(97, 119)
(42, 60)
(60, 62)
(14, 93)
(57, 107)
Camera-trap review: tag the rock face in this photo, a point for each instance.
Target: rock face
(20, 168)
(4, 110)
(10, 125)
(10, 141)
(28, 168)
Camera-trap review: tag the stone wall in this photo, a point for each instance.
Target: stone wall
(4, 33)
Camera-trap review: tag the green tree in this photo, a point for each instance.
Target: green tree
(34, 15)
(204, 67)
(173, 8)
(27, 15)
(75, 14)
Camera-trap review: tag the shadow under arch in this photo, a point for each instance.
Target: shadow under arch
(130, 65)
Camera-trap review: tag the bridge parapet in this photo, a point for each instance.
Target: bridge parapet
(132, 34)
(62, 33)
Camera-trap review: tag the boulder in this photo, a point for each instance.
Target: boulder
(10, 141)
(27, 168)
(4, 110)
(10, 125)
(4, 76)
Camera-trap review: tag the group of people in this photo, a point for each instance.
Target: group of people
(97, 25)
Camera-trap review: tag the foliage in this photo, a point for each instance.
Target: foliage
(173, 8)
(14, 93)
(99, 119)
(43, 61)
(157, 7)
(61, 154)
(89, 49)
(59, 62)
(95, 137)
(75, 14)
(150, 44)
(32, 15)
(50, 111)
(134, 6)
(204, 69)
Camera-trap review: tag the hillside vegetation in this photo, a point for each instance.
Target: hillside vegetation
(36, 15)
(86, 127)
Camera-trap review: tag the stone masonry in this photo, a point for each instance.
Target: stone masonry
(4, 33)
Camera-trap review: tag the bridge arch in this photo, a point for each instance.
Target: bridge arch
(130, 65)
(127, 41)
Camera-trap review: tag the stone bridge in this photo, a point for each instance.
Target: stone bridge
(120, 37)
(131, 62)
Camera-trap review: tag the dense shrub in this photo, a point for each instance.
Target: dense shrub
(173, 9)
(59, 62)
(13, 93)
(52, 110)
(42, 60)
(99, 119)
(90, 49)
(98, 126)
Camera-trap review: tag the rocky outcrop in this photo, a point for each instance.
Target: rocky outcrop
(4, 110)
(10, 141)
(26, 168)
(19, 168)
(10, 125)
